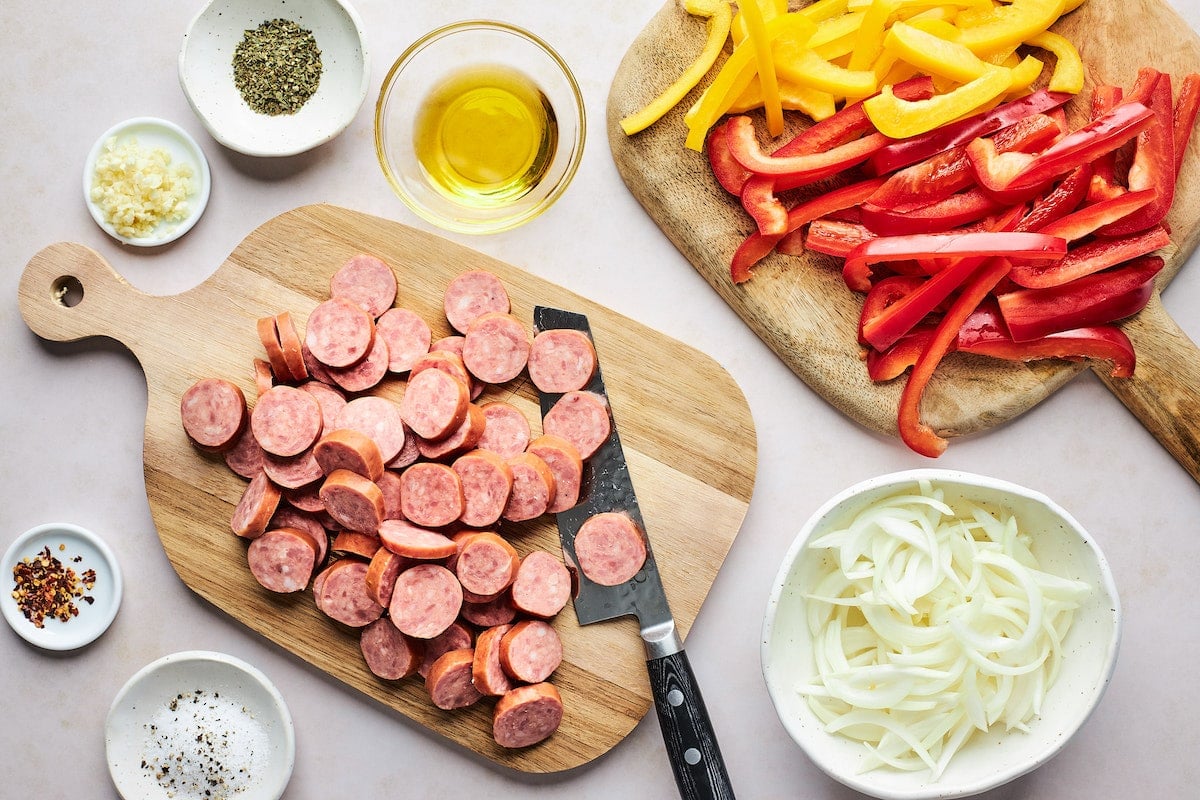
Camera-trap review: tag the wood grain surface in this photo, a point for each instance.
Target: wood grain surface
(801, 308)
(684, 423)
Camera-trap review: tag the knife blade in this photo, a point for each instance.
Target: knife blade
(690, 740)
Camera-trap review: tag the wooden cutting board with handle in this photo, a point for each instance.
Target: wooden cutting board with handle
(801, 308)
(684, 422)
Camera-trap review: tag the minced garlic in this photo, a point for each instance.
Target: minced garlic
(137, 188)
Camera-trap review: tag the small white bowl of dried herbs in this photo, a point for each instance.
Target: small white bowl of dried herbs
(275, 77)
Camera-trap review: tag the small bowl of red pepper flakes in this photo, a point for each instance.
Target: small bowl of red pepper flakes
(63, 586)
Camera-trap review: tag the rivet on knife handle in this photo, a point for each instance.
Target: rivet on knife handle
(687, 731)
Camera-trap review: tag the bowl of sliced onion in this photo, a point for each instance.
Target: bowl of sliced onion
(936, 634)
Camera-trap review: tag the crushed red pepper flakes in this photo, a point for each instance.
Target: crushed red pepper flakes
(47, 589)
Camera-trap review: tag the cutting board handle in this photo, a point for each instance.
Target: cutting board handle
(68, 292)
(1164, 391)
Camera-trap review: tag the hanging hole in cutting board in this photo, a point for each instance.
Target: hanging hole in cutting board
(67, 291)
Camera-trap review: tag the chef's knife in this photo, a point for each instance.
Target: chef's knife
(687, 731)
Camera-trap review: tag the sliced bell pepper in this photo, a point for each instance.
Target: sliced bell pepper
(1068, 66)
(1079, 147)
(1153, 164)
(1096, 215)
(892, 363)
(813, 103)
(760, 41)
(940, 216)
(807, 167)
(1087, 259)
(1104, 185)
(900, 119)
(1064, 198)
(1091, 300)
(1030, 246)
(720, 16)
(919, 148)
(984, 334)
(886, 326)
(835, 237)
(885, 294)
(1184, 117)
(934, 55)
(801, 65)
(1012, 24)
(729, 173)
(916, 434)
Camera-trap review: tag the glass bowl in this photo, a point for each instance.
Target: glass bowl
(491, 182)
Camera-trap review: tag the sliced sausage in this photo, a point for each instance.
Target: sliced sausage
(389, 484)
(286, 421)
(213, 411)
(316, 370)
(365, 373)
(382, 571)
(431, 495)
(530, 651)
(487, 673)
(408, 454)
(378, 418)
(582, 419)
(456, 637)
(610, 548)
(389, 653)
(345, 448)
(533, 488)
(255, 508)
(282, 560)
(292, 472)
(340, 591)
(543, 585)
(289, 343)
(413, 542)
(353, 501)
(527, 715)
(449, 680)
(507, 430)
(464, 438)
(366, 281)
(245, 457)
(489, 613)
(268, 334)
(487, 481)
(356, 543)
(339, 332)
(496, 348)
(454, 345)
(471, 294)
(425, 600)
(448, 361)
(286, 516)
(264, 378)
(331, 400)
(306, 498)
(565, 463)
(407, 336)
(487, 564)
(434, 404)
(561, 361)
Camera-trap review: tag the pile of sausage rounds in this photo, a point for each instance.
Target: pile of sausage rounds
(402, 495)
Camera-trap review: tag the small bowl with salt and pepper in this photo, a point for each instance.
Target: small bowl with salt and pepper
(275, 77)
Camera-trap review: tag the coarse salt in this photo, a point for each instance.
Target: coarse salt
(202, 745)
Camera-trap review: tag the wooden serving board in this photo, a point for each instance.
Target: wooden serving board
(801, 308)
(685, 425)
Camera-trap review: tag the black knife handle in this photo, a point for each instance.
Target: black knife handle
(687, 731)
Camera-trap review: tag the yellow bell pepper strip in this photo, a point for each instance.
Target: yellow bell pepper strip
(1012, 24)
(1068, 67)
(719, 16)
(770, 9)
(868, 42)
(756, 27)
(900, 119)
(824, 9)
(802, 66)
(1022, 76)
(835, 37)
(933, 54)
(814, 103)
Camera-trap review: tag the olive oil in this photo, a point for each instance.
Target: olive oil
(485, 136)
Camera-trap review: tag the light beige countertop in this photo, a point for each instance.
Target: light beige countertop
(71, 427)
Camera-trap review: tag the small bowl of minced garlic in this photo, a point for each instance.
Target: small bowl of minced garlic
(275, 77)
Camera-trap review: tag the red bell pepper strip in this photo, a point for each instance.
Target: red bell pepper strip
(916, 434)
(888, 325)
(729, 173)
(1096, 215)
(758, 245)
(886, 294)
(836, 237)
(1032, 246)
(951, 212)
(892, 363)
(1184, 117)
(1153, 164)
(1104, 185)
(1087, 259)
(1091, 300)
(919, 148)
(984, 334)
(1079, 147)
(1064, 198)
(807, 167)
(768, 212)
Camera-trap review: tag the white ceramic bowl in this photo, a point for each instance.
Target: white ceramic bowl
(152, 133)
(254, 726)
(206, 74)
(436, 57)
(81, 550)
(1062, 547)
